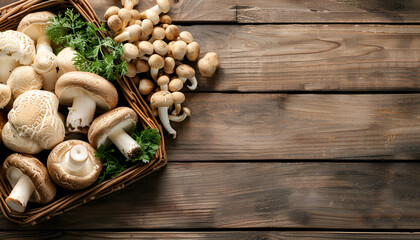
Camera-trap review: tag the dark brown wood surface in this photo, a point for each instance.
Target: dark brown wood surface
(284, 140)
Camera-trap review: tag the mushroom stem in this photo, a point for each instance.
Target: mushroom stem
(154, 72)
(164, 118)
(50, 78)
(20, 194)
(81, 114)
(7, 67)
(76, 158)
(193, 82)
(125, 143)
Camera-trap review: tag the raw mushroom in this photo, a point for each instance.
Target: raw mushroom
(130, 52)
(72, 165)
(16, 49)
(156, 62)
(30, 181)
(112, 127)
(157, 34)
(186, 112)
(142, 66)
(193, 51)
(160, 47)
(153, 16)
(111, 11)
(186, 36)
(131, 70)
(163, 81)
(125, 15)
(5, 95)
(175, 85)
(114, 23)
(162, 6)
(33, 25)
(87, 93)
(165, 19)
(129, 4)
(185, 72)
(131, 34)
(169, 66)
(23, 79)
(179, 98)
(135, 15)
(179, 49)
(172, 32)
(34, 118)
(145, 48)
(146, 86)
(3, 121)
(147, 28)
(163, 100)
(208, 64)
(65, 61)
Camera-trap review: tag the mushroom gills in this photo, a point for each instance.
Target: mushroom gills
(76, 158)
(125, 143)
(20, 194)
(81, 114)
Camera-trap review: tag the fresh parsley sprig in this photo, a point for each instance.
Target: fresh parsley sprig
(94, 54)
(113, 162)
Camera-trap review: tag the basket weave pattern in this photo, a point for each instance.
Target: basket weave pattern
(9, 20)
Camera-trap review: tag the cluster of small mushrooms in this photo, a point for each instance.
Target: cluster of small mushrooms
(155, 49)
(31, 93)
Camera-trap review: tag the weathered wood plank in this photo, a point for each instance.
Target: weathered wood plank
(215, 235)
(325, 11)
(312, 57)
(256, 195)
(298, 126)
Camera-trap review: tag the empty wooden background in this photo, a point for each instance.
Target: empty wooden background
(309, 130)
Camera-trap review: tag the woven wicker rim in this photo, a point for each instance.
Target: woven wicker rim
(9, 19)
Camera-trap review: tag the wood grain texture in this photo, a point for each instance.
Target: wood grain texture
(263, 58)
(256, 195)
(298, 126)
(326, 11)
(216, 235)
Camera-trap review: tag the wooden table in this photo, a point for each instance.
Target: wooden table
(309, 130)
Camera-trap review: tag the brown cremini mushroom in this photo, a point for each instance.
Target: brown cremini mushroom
(172, 32)
(193, 51)
(30, 181)
(23, 79)
(34, 123)
(165, 19)
(86, 93)
(142, 66)
(72, 165)
(179, 49)
(112, 127)
(175, 85)
(115, 23)
(169, 66)
(146, 86)
(156, 62)
(162, 100)
(208, 64)
(16, 48)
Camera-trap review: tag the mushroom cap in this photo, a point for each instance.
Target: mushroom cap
(186, 37)
(152, 16)
(135, 14)
(175, 85)
(161, 99)
(64, 59)
(142, 66)
(163, 80)
(33, 24)
(208, 64)
(44, 62)
(102, 126)
(156, 61)
(146, 86)
(124, 14)
(131, 70)
(23, 79)
(130, 50)
(18, 46)
(17, 165)
(146, 47)
(35, 117)
(113, 10)
(165, 19)
(66, 178)
(158, 33)
(179, 97)
(147, 26)
(164, 5)
(73, 84)
(160, 47)
(5, 95)
(169, 65)
(185, 71)
(114, 23)
(193, 51)
(172, 32)
(179, 49)
(13, 141)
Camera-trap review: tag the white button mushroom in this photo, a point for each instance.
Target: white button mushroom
(163, 100)
(5, 95)
(72, 165)
(65, 61)
(33, 25)
(185, 72)
(131, 34)
(34, 117)
(146, 86)
(23, 79)
(15, 48)
(30, 181)
(86, 92)
(112, 127)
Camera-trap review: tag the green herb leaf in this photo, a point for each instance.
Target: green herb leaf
(94, 54)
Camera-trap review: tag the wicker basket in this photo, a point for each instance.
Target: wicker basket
(9, 19)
